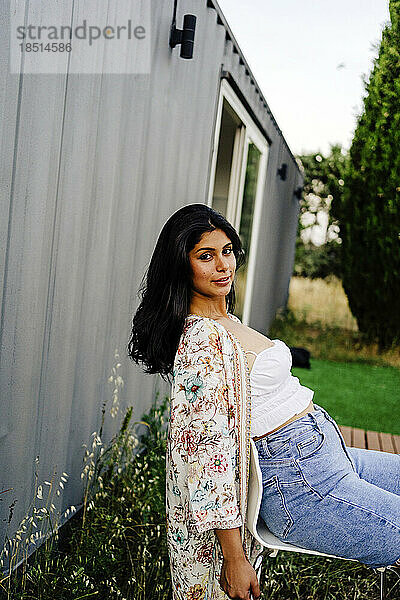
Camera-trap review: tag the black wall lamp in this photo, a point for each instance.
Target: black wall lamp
(298, 192)
(282, 172)
(184, 36)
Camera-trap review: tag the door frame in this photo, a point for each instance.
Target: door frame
(248, 133)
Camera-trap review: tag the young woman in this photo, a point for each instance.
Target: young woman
(231, 383)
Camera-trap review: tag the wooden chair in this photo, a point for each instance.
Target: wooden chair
(261, 532)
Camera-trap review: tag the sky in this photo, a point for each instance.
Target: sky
(309, 58)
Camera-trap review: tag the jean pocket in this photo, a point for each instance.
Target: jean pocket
(274, 510)
(279, 448)
(311, 444)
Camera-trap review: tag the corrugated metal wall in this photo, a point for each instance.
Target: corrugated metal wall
(92, 166)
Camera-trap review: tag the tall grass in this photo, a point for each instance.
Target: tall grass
(322, 300)
(115, 546)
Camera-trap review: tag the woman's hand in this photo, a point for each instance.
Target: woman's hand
(239, 580)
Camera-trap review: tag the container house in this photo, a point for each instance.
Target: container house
(92, 165)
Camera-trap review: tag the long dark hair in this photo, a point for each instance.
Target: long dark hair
(165, 292)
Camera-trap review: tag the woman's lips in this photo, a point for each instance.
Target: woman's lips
(223, 281)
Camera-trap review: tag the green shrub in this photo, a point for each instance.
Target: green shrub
(323, 188)
(317, 261)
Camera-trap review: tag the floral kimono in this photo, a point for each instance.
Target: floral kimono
(208, 452)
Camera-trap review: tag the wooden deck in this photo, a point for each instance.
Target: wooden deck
(372, 440)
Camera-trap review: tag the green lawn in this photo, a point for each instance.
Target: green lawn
(356, 394)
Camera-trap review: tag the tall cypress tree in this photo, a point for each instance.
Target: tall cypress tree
(369, 211)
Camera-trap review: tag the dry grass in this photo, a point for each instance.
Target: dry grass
(321, 300)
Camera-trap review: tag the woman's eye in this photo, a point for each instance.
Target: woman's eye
(207, 254)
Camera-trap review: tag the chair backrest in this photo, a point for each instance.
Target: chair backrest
(255, 491)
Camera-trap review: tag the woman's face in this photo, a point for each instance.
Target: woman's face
(212, 259)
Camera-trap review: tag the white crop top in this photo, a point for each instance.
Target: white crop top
(276, 395)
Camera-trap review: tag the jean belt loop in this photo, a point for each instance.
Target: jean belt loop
(315, 421)
(265, 449)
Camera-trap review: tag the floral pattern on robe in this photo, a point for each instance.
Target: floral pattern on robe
(207, 456)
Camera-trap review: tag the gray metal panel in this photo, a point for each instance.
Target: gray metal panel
(9, 92)
(276, 246)
(93, 166)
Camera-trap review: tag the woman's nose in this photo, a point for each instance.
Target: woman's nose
(222, 262)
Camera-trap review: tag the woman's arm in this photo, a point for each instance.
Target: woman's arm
(203, 432)
(238, 578)
(202, 438)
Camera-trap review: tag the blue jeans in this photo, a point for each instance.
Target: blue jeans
(321, 495)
